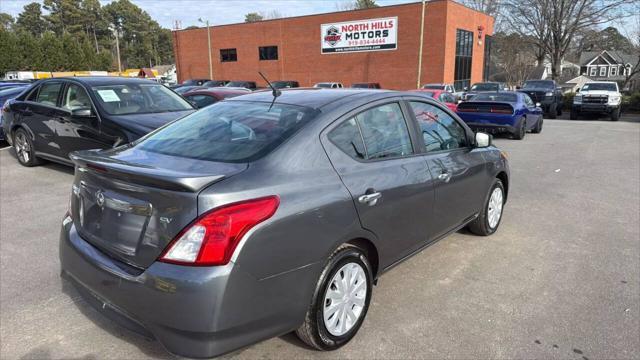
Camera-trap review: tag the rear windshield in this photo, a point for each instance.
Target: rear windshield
(323, 85)
(496, 97)
(427, 93)
(599, 86)
(538, 85)
(485, 87)
(138, 99)
(434, 86)
(237, 131)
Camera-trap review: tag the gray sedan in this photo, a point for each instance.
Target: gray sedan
(259, 216)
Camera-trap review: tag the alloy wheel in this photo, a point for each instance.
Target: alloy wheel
(22, 147)
(495, 207)
(344, 299)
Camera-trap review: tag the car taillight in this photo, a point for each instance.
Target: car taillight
(212, 238)
(501, 111)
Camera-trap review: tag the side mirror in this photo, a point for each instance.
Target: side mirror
(465, 89)
(578, 90)
(82, 113)
(538, 104)
(483, 140)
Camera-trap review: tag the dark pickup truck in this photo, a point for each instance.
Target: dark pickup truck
(547, 93)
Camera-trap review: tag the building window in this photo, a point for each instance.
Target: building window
(614, 71)
(593, 71)
(603, 71)
(228, 55)
(268, 52)
(486, 71)
(464, 55)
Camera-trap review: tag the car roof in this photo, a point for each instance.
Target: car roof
(104, 80)
(216, 91)
(312, 97)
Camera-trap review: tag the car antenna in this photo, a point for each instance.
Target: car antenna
(274, 91)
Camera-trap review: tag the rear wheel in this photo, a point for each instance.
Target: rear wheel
(521, 130)
(538, 128)
(489, 218)
(340, 301)
(573, 115)
(615, 115)
(553, 111)
(559, 110)
(24, 149)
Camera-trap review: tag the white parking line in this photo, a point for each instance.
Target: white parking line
(6, 148)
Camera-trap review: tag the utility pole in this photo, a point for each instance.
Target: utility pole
(424, 3)
(117, 31)
(209, 46)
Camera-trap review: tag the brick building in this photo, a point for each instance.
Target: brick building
(371, 45)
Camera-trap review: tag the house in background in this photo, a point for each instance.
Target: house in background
(568, 70)
(609, 66)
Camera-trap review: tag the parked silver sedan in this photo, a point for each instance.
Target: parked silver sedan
(259, 216)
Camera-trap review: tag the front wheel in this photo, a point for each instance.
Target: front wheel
(615, 114)
(340, 301)
(489, 218)
(573, 115)
(553, 111)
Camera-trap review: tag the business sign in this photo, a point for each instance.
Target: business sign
(360, 35)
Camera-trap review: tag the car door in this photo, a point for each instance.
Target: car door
(372, 152)
(38, 114)
(457, 168)
(78, 130)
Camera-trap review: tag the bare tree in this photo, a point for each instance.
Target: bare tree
(489, 7)
(512, 57)
(553, 23)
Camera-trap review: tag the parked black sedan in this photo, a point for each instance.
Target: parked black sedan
(58, 116)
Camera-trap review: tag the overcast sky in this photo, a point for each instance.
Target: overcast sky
(216, 11)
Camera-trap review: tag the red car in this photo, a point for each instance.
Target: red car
(202, 97)
(443, 96)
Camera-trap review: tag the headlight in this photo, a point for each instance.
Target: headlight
(549, 94)
(614, 100)
(577, 99)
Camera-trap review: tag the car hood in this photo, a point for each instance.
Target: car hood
(142, 124)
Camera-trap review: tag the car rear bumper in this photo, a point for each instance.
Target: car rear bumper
(192, 311)
(491, 128)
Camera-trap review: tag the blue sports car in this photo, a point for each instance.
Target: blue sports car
(500, 112)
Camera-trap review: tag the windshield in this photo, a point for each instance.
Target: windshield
(138, 99)
(11, 91)
(600, 86)
(428, 93)
(538, 85)
(213, 83)
(485, 87)
(323, 85)
(236, 131)
(238, 84)
(282, 84)
(496, 97)
(434, 86)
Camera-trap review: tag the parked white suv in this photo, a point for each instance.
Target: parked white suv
(597, 97)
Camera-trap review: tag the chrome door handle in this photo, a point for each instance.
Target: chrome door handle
(444, 177)
(370, 199)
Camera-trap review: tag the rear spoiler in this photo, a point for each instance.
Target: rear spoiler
(486, 107)
(138, 174)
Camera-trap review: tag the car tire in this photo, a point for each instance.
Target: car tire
(615, 115)
(24, 149)
(553, 111)
(489, 218)
(559, 110)
(538, 128)
(574, 115)
(321, 329)
(521, 130)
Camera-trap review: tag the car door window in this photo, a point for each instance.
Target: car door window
(528, 101)
(385, 132)
(76, 98)
(347, 137)
(48, 94)
(440, 131)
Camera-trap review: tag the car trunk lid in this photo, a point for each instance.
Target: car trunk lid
(131, 205)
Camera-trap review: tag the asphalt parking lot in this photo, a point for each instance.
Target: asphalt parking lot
(560, 278)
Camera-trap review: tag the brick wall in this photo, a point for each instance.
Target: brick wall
(299, 57)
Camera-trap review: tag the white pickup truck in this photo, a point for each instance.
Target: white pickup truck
(597, 97)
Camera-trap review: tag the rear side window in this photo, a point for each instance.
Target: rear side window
(201, 101)
(439, 130)
(236, 131)
(347, 137)
(48, 94)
